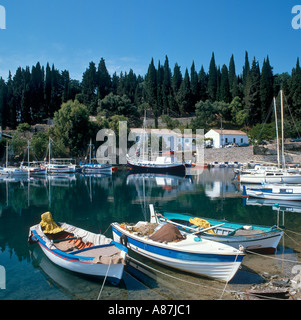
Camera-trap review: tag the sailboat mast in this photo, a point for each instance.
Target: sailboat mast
(90, 151)
(144, 133)
(6, 160)
(49, 150)
(282, 130)
(277, 135)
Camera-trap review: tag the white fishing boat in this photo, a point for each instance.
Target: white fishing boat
(275, 192)
(79, 250)
(167, 245)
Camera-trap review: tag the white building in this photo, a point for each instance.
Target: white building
(223, 137)
(172, 140)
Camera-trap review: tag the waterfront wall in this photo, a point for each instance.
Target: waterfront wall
(247, 154)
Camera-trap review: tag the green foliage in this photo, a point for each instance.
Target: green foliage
(39, 145)
(23, 127)
(72, 126)
(262, 131)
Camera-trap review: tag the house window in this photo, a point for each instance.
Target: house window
(241, 140)
(234, 140)
(226, 140)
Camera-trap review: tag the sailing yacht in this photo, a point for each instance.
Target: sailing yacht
(162, 164)
(272, 174)
(93, 166)
(62, 165)
(32, 168)
(9, 170)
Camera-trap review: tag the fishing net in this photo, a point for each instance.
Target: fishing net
(201, 223)
(168, 232)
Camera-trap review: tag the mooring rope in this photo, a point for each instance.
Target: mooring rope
(207, 287)
(104, 280)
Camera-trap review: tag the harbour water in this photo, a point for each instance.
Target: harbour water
(94, 202)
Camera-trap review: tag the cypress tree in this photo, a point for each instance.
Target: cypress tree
(175, 84)
(225, 94)
(184, 95)
(160, 78)
(194, 85)
(266, 88)
(212, 80)
(202, 84)
(296, 89)
(166, 87)
(103, 80)
(232, 78)
(151, 87)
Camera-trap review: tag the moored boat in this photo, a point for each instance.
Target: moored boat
(275, 192)
(160, 165)
(251, 237)
(79, 250)
(186, 252)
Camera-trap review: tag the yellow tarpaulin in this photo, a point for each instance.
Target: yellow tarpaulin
(201, 223)
(48, 224)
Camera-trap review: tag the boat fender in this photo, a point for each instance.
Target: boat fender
(124, 240)
(197, 239)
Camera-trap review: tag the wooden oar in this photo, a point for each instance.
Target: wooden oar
(186, 227)
(65, 239)
(212, 227)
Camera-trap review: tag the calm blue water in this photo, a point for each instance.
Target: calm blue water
(92, 203)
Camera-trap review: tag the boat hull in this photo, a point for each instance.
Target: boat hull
(274, 196)
(262, 178)
(145, 168)
(114, 271)
(266, 241)
(217, 266)
(90, 169)
(82, 264)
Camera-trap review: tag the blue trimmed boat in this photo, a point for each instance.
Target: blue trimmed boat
(282, 191)
(80, 251)
(251, 237)
(189, 253)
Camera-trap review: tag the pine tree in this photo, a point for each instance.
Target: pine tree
(212, 80)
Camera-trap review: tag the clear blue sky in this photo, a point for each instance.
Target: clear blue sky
(128, 33)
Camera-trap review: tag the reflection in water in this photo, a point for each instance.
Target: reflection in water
(94, 202)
